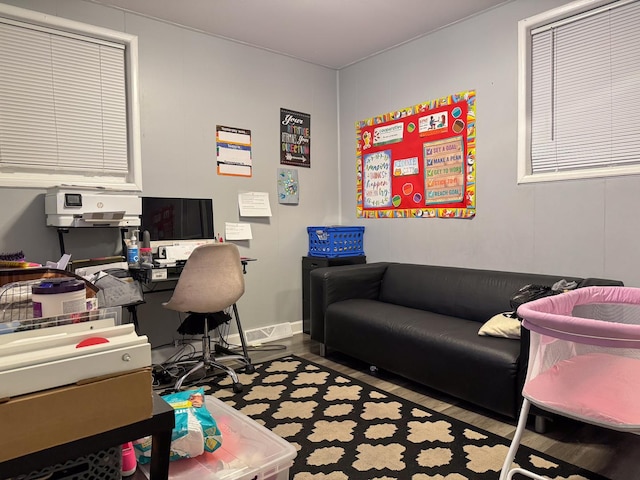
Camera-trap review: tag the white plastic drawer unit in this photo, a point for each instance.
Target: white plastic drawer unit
(35, 360)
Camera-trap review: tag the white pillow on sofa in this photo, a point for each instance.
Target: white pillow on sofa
(501, 325)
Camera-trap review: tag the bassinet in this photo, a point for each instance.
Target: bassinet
(584, 360)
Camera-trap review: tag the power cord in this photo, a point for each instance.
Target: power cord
(182, 360)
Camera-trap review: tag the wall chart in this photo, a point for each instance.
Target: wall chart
(419, 161)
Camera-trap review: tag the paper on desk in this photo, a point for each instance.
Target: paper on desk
(116, 291)
(60, 264)
(237, 231)
(89, 271)
(254, 204)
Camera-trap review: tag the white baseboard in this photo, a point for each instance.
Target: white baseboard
(270, 333)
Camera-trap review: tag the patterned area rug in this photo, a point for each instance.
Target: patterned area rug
(345, 429)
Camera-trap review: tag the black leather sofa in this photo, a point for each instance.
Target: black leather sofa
(421, 322)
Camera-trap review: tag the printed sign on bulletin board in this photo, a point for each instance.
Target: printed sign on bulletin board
(418, 162)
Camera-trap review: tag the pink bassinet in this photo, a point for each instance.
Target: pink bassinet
(584, 360)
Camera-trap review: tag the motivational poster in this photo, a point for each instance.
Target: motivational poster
(295, 138)
(377, 179)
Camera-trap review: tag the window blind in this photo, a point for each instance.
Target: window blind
(63, 103)
(585, 83)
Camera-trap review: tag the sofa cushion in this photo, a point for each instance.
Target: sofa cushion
(458, 292)
(436, 350)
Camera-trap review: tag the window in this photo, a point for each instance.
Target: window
(579, 81)
(68, 103)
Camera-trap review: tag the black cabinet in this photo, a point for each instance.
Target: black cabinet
(311, 263)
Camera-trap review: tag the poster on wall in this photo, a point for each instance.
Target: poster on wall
(419, 161)
(288, 186)
(295, 138)
(233, 151)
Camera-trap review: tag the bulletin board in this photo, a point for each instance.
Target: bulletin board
(419, 161)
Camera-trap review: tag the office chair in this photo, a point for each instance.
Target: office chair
(211, 281)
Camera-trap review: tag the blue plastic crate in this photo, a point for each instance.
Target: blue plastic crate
(336, 241)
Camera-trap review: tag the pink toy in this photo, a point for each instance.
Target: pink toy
(129, 463)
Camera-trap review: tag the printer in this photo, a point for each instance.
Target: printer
(89, 207)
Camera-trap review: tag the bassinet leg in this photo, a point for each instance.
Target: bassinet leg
(540, 424)
(515, 443)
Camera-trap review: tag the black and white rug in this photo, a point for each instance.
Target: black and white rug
(345, 429)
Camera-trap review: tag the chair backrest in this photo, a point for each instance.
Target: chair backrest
(210, 281)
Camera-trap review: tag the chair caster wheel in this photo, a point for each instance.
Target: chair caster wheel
(237, 387)
(249, 369)
(373, 370)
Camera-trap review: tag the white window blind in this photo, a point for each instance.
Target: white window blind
(63, 103)
(585, 81)
(68, 103)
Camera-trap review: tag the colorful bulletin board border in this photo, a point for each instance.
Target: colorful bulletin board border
(419, 161)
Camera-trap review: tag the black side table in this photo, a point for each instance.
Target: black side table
(311, 263)
(159, 426)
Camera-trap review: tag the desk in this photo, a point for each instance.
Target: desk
(159, 426)
(173, 270)
(161, 333)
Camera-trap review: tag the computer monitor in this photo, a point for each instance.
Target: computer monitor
(171, 220)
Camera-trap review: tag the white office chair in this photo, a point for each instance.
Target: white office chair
(210, 282)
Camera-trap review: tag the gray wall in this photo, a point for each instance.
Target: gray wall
(189, 83)
(581, 228)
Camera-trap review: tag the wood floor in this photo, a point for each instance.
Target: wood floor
(615, 455)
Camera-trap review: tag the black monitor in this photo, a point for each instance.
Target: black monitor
(175, 219)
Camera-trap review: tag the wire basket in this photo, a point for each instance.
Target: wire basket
(336, 241)
(102, 465)
(16, 302)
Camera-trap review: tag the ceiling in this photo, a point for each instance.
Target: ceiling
(331, 33)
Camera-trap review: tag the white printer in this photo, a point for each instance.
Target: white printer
(88, 207)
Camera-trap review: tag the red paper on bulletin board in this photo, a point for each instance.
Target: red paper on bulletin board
(418, 162)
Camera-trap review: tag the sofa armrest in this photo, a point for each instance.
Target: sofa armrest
(333, 284)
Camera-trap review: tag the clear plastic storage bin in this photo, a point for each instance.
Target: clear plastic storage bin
(249, 451)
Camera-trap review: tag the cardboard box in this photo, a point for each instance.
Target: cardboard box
(44, 419)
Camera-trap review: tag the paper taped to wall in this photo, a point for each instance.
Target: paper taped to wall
(237, 231)
(254, 204)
